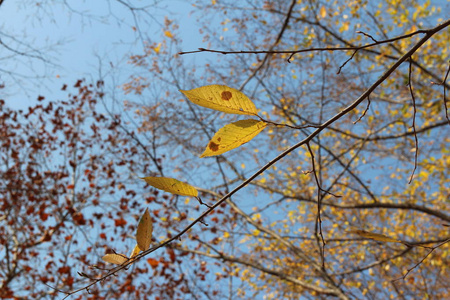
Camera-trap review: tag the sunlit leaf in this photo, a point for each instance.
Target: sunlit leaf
(233, 135)
(375, 236)
(113, 258)
(144, 231)
(172, 185)
(222, 98)
(135, 252)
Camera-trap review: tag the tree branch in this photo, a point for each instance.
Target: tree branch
(428, 34)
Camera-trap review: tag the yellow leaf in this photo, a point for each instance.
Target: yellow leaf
(172, 186)
(135, 252)
(323, 12)
(117, 259)
(144, 231)
(233, 135)
(222, 98)
(168, 34)
(374, 236)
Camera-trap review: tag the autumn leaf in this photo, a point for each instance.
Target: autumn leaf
(144, 231)
(171, 185)
(113, 258)
(222, 98)
(233, 135)
(375, 236)
(135, 251)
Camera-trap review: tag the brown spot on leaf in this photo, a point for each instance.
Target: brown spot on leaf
(213, 146)
(226, 95)
(219, 139)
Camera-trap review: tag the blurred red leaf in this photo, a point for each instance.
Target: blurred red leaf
(120, 222)
(153, 262)
(64, 270)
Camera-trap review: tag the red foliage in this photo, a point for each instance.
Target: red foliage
(65, 193)
(57, 162)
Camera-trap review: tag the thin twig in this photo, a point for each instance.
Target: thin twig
(52, 287)
(319, 197)
(365, 111)
(445, 97)
(349, 59)
(368, 35)
(416, 140)
(201, 202)
(293, 52)
(286, 125)
(202, 221)
(319, 204)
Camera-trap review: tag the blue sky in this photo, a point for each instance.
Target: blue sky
(84, 40)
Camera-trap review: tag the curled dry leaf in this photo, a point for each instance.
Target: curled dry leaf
(172, 186)
(222, 98)
(375, 236)
(233, 135)
(144, 232)
(113, 258)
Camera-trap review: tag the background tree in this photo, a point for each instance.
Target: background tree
(64, 39)
(380, 168)
(382, 158)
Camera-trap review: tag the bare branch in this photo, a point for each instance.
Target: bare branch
(293, 52)
(444, 92)
(319, 201)
(413, 98)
